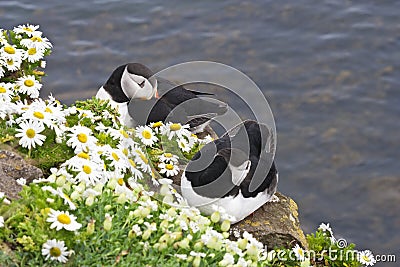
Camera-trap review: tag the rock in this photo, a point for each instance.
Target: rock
(275, 224)
(13, 167)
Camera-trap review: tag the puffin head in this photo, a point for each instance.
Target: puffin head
(137, 82)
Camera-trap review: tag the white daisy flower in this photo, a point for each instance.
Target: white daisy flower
(168, 169)
(185, 145)
(168, 158)
(37, 41)
(55, 250)
(29, 85)
(326, 228)
(62, 219)
(88, 172)
(299, 252)
(27, 29)
(118, 159)
(13, 64)
(146, 135)
(157, 126)
(37, 112)
(134, 171)
(176, 129)
(366, 257)
(29, 133)
(142, 161)
(34, 54)
(81, 139)
(2, 70)
(3, 40)
(11, 52)
(6, 91)
(1, 221)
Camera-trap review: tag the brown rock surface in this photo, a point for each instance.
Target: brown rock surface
(13, 167)
(275, 224)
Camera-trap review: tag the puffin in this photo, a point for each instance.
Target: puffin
(235, 173)
(142, 99)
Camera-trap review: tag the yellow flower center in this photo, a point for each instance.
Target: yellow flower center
(365, 258)
(168, 155)
(182, 144)
(125, 151)
(29, 83)
(64, 218)
(2, 90)
(145, 160)
(175, 127)
(48, 110)
(9, 50)
(38, 115)
(87, 169)
(30, 133)
(142, 156)
(169, 166)
(157, 124)
(125, 134)
(146, 134)
(132, 163)
(115, 156)
(36, 39)
(82, 138)
(83, 155)
(55, 252)
(121, 181)
(10, 62)
(27, 29)
(32, 51)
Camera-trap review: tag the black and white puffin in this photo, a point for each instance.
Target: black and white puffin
(235, 172)
(141, 99)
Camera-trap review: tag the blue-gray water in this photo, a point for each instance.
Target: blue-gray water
(330, 70)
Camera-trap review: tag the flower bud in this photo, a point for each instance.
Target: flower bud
(60, 180)
(225, 226)
(242, 243)
(121, 198)
(184, 243)
(163, 246)
(145, 212)
(252, 251)
(171, 212)
(168, 199)
(146, 234)
(107, 207)
(198, 246)
(75, 195)
(90, 227)
(98, 188)
(89, 201)
(164, 224)
(164, 190)
(107, 222)
(215, 217)
(197, 261)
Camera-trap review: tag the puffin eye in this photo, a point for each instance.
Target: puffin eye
(142, 84)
